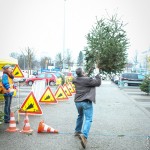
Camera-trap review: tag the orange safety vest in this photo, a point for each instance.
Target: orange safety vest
(11, 83)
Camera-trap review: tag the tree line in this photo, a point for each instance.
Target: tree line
(106, 49)
(27, 60)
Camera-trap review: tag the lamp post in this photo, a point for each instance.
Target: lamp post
(64, 35)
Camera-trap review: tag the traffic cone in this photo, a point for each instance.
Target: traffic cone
(12, 124)
(45, 128)
(26, 127)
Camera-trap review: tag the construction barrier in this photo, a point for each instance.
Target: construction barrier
(39, 85)
(40, 93)
(30, 106)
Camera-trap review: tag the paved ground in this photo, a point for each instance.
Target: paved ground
(139, 97)
(119, 123)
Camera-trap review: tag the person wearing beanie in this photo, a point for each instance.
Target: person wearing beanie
(84, 99)
(7, 82)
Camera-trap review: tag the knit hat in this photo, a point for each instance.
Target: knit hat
(79, 72)
(6, 67)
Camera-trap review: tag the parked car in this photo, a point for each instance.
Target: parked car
(23, 79)
(131, 78)
(50, 78)
(115, 79)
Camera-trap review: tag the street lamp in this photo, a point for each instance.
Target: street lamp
(64, 34)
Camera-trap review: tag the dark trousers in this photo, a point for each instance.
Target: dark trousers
(8, 100)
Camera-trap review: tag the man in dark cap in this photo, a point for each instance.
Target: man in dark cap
(7, 82)
(6, 67)
(84, 97)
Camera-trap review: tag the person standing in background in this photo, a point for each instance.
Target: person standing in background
(8, 91)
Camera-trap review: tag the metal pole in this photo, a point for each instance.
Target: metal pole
(24, 62)
(64, 34)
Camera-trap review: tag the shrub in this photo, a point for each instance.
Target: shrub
(1, 117)
(145, 86)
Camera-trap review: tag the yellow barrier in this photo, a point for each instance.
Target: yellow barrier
(1, 97)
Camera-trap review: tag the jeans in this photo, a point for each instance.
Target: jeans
(84, 109)
(8, 100)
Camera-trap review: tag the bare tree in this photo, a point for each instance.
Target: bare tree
(68, 59)
(14, 55)
(59, 61)
(45, 62)
(30, 58)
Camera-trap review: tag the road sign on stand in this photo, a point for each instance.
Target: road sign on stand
(17, 72)
(70, 87)
(67, 90)
(30, 106)
(48, 97)
(60, 94)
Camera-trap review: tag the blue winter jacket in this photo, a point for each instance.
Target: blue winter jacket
(6, 84)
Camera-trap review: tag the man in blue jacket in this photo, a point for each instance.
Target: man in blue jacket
(85, 95)
(7, 82)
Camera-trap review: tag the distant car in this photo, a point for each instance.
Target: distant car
(50, 78)
(115, 79)
(35, 73)
(23, 79)
(131, 79)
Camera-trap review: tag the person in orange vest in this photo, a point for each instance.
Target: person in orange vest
(8, 91)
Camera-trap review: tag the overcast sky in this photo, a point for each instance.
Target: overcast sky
(39, 24)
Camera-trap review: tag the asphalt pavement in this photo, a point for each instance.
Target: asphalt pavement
(119, 123)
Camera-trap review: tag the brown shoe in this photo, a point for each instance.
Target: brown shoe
(77, 133)
(83, 140)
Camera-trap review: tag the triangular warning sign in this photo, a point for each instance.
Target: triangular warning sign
(73, 86)
(30, 105)
(72, 90)
(17, 72)
(60, 94)
(67, 90)
(48, 97)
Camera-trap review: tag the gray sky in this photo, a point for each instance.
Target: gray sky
(39, 24)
